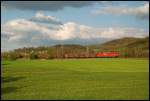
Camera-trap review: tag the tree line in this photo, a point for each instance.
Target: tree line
(70, 51)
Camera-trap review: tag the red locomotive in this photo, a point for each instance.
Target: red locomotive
(107, 54)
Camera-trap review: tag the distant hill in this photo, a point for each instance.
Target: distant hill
(71, 46)
(127, 47)
(141, 43)
(124, 42)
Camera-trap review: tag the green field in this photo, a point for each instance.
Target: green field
(75, 79)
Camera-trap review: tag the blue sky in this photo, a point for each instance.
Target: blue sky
(99, 19)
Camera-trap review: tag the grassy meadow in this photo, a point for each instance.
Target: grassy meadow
(100, 78)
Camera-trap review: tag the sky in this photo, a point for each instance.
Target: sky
(46, 23)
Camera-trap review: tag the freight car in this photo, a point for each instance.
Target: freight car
(107, 54)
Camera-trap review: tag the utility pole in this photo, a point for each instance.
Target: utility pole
(62, 51)
(57, 52)
(87, 48)
(87, 51)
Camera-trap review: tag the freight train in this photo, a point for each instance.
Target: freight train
(93, 55)
(107, 54)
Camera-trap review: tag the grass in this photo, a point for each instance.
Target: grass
(75, 79)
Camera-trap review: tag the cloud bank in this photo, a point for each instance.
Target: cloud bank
(41, 29)
(141, 12)
(45, 5)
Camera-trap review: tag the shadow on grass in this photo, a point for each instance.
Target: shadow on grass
(3, 64)
(6, 90)
(10, 79)
(11, 88)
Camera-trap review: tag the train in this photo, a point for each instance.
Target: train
(93, 55)
(107, 54)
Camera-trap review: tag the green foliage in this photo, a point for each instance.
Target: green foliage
(5, 56)
(33, 55)
(75, 79)
(12, 56)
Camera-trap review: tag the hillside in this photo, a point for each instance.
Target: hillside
(121, 43)
(127, 47)
(131, 46)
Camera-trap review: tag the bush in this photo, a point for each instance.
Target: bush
(12, 56)
(4, 55)
(33, 55)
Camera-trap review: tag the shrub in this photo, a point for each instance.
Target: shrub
(12, 56)
(33, 55)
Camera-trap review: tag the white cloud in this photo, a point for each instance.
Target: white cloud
(119, 32)
(40, 17)
(20, 29)
(25, 32)
(139, 12)
(66, 31)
